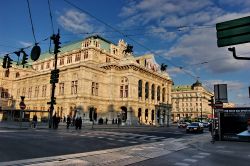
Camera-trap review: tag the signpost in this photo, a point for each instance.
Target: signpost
(233, 32)
(22, 107)
(21, 104)
(218, 105)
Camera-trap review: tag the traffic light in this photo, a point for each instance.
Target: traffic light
(57, 43)
(211, 101)
(54, 76)
(9, 62)
(53, 100)
(25, 58)
(5, 62)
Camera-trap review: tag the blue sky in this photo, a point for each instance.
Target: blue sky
(181, 34)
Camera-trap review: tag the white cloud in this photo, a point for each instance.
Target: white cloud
(159, 10)
(162, 33)
(200, 45)
(232, 85)
(196, 42)
(25, 44)
(76, 22)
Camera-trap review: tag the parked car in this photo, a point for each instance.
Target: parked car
(195, 127)
(206, 124)
(183, 124)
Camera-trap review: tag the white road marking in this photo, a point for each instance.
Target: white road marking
(205, 154)
(99, 137)
(225, 151)
(111, 139)
(190, 160)
(181, 164)
(198, 156)
(121, 140)
(133, 142)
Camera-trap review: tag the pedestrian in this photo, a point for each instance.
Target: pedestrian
(106, 121)
(77, 123)
(34, 121)
(57, 121)
(80, 122)
(54, 119)
(211, 129)
(68, 121)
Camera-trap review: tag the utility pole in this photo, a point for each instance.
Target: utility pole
(54, 76)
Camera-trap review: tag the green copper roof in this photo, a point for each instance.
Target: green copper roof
(182, 88)
(65, 48)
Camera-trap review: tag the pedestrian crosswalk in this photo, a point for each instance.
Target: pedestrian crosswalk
(117, 136)
(192, 160)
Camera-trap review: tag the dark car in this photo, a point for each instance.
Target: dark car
(183, 124)
(196, 127)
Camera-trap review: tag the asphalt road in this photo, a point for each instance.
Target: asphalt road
(32, 143)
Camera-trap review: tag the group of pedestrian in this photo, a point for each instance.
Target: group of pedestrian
(77, 122)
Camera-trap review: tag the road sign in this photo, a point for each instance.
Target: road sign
(218, 105)
(22, 105)
(233, 32)
(220, 93)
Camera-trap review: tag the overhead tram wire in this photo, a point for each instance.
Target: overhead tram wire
(51, 20)
(27, 46)
(32, 26)
(126, 36)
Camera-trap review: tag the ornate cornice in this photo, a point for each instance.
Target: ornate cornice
(135, 67)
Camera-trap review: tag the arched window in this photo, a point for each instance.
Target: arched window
(7, 73)
(17, 74)
(124, 88)
(153, 92)
(139, 88)
(146, 90)
(163, 94)
(158, 93)
(139, 115)
(152, 115)
(146, 115)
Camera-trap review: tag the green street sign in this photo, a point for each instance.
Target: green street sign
(233, 40)
(233, 32)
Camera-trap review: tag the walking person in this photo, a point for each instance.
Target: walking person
(77, 123)
(54, 119)
(68, 121)
(80, 123)
(211, 129)
(34, 120)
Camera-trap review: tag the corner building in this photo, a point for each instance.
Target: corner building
(191, 102)
(98, 80)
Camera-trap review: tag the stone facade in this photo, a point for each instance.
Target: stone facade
(190, 102)
(97, 80)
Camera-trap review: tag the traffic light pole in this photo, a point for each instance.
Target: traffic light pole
(55, 39)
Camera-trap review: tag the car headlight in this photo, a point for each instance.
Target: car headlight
(195, 128)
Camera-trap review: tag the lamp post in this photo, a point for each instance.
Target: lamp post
(200, 97)
(54, 76)
(201, 109)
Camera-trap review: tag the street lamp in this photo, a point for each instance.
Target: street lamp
(200, 96)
